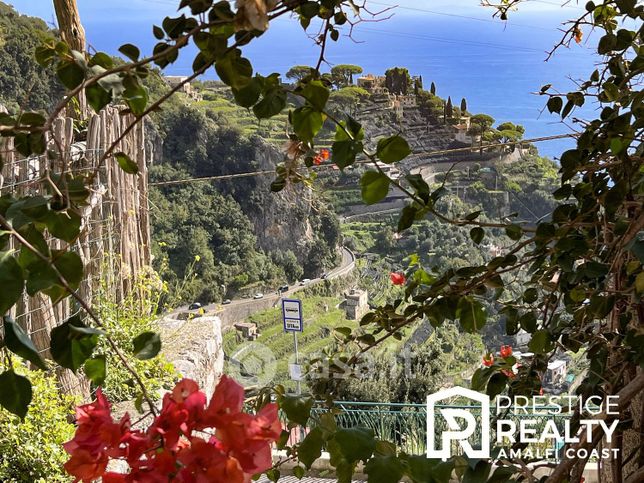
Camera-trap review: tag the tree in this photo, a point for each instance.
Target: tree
(298, 72)
(432, 89)
(24, 84)
(463, 107)
(449, 109)
(342, 74)
(398, 80)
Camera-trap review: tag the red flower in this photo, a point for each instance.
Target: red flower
(85, 466)
(169, 450)
(323, 155)
(506, 351)
(397, 278)
(488, 360)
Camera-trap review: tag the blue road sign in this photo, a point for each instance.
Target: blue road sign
(292, 315)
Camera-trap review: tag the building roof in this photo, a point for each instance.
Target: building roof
(556, 364)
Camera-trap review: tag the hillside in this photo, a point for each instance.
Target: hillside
(24, 83)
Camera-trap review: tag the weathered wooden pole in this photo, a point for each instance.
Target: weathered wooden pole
(73, 33)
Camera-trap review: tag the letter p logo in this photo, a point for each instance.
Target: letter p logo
(461, 423)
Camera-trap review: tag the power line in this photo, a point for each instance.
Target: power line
(424, 154)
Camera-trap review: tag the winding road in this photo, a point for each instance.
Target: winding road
(250, 305)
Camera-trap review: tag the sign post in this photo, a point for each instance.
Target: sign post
(294, 322)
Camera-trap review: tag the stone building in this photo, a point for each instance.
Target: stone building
(356, 304)
(175, 80)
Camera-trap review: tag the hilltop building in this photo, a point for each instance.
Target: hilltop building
(175, 80)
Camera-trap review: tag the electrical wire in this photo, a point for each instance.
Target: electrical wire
(421, 154)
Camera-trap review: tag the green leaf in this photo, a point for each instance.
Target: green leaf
(514, 232)
(316, 94)
(11, 280)
(96, 369)
(476, 234)
(393, 149)
(481, 377)
(541, 342)
(64, 225)
(146, 345)
(310, 449)
(306, 122)
(471, 314)
(344, 152)
(234, 70)
(71, 346)
(158, 32)
(297, 408)
(135, 95)
(126, 163)
(18, 342)
(273, 102)
(130, 51)
(375, 187)
(97, 97)
(299, 472)
(355, 443)
(555, 104)
(248, 95)
(407, 218)
(424, 470)
(387, 469)
(496, 384)
(15, 395)
(70, 74)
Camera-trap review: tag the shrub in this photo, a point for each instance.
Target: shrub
(31, 450)
(124, 321)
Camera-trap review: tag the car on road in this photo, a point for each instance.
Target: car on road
(227, 302)
(324, 276)
(194, 306)
(258, 296)
(305, 281)
(283, 288)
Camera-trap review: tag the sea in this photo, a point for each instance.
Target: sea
(498, 67)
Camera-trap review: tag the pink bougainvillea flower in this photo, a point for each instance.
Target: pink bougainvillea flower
(170, 449)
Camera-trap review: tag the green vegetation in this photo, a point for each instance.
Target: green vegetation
(321, 317)
(31, 449)
(23, 82)
(124, 320)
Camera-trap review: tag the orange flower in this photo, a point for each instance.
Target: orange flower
(488, 360)
(397, 278)
(326, 154)
(506, 351)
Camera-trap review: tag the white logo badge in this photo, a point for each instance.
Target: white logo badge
(456, 431)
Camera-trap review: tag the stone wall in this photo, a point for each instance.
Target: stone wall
(195, 347)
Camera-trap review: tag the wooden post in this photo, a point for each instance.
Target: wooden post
(73, 33)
